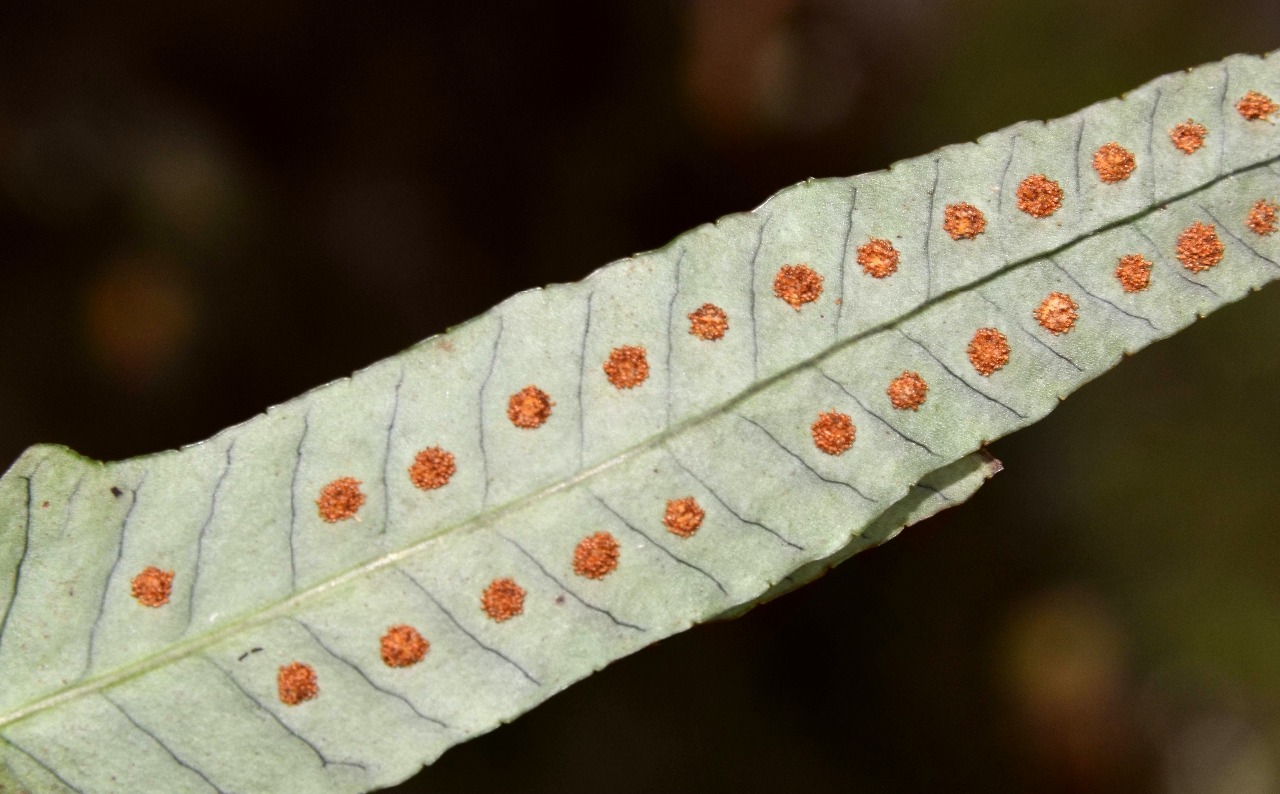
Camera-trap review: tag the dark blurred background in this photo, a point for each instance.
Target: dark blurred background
(207, 210)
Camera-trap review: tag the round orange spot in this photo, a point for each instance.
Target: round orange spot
(340, 499)
(153, 586)
(708, 322)
(1188, 136)
(1039, 196)
(797, 285)
(1113, 162)
(529, 408)
(627, 367)
(503, 599)
(683, 516)
(963, 221)
(907, 391)
(596, 556)
(833, 432)
(1256, 107)
(296, 682)
(988, 351)
(1134, 272)
(1262, 218)
(432, 468)
(1057, 313)
(403, 646)
(1199, 247)
(878, 258)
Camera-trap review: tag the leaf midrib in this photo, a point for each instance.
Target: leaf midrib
(266, 614)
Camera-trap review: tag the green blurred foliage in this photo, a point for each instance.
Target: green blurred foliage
(208, 210)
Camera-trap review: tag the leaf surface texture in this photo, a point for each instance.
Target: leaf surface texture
(103, 692)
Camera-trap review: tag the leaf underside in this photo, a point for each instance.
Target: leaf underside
(104, 693)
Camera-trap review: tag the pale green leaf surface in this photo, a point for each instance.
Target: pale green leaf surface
(101, 694)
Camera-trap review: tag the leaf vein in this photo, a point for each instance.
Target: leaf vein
(360, 671)
(1250, 248)
(111, 575)
(658, 545)
(1029, 334)
(582, 376)
(464, 629)
(873, 414)
(844, 255)
(755, 321)
(1104, 301)
(204, 529)
(9, 741)
(715, 495)
(957, 376)
(802, 461)
(325, 761)
(386, 455)
(153, 737)
(484, 387)
(568, 589)
(293, 501)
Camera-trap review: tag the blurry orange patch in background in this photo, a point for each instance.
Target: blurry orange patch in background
(1065, 665)
(753, 70)
(139, 315)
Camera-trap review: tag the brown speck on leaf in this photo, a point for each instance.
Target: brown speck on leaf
(683, 516)
(708, 322)
(1261, 220)
(340, 499)
(1113, 162)
(797, 285)
(153, 586)
(596, 556)
(44, 504)
(529, 408)
(833, 432)
(627, 367)
(1057, 313)
(1256, 107)
(296, 682)
(963, 221)
(1134, 272)
(907, 391)
(403, 646)
(1188, 136)
(1199, 247)
(116, 492)
(878, 257)
(503, 599)
(1039, 196)
(432, 468)
(988, 351)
